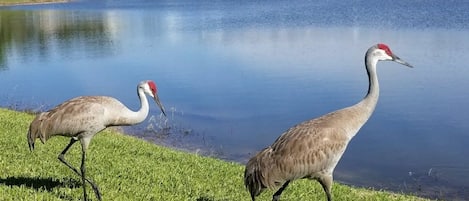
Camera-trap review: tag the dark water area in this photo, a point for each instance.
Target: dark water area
(233, 75)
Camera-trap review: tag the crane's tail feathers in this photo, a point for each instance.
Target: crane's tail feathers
(253, 178)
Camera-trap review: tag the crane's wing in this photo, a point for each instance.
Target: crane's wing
(70, 118)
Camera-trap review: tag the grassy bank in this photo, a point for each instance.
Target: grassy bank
(26, 2)
(127, 168)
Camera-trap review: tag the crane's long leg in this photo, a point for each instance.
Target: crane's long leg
(82, 168)
(62, 159)
(277, 194)
(326, 183)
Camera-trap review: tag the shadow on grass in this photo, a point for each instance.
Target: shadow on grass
(40, 183)
(204, 199)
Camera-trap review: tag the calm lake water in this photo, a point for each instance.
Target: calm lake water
(234, 75)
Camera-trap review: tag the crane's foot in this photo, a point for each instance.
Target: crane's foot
(96, 191)
(277, 194)
(93, 186)
(276, 198)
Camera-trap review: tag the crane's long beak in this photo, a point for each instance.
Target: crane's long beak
(157, 100)
(399, 60)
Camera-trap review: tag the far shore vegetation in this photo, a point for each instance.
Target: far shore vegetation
(28, 2)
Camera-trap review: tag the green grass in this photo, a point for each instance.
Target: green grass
(127, 168)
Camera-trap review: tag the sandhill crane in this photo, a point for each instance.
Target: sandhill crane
(83, 117)
(313, 148)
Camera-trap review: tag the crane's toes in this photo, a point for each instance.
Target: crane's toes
(96, 191)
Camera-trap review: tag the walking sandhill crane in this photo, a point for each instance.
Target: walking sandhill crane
(83, 117)
(313, 148)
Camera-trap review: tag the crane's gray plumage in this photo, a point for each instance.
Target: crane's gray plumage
(313, 148)
(82, 117)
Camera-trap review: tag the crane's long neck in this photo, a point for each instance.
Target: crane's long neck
(358, 114)
(368, 103)
(132, 117)
(372, 95)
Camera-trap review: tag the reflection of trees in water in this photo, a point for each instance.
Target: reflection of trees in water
(41, 33)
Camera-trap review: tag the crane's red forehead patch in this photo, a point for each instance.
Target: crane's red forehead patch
(385, 48)
(152, 86)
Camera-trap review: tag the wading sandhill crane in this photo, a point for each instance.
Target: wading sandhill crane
(313, 148)
(83, 117)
